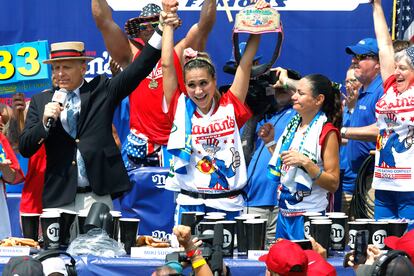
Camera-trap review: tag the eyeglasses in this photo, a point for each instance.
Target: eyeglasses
(144, 26)
(365, 56)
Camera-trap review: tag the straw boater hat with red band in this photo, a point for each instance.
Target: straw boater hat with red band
(70, 50)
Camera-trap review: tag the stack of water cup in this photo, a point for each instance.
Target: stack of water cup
(57, 231)
(251, 233)
(378, 230)
(50, 225)
(329, 230)
(333, 230)
(30, 225)
(338, 230)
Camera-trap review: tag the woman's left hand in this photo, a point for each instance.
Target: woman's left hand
(293, 158)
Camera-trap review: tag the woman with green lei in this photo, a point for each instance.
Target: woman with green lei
(306, 157)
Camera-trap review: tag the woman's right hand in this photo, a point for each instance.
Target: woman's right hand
(267, 133)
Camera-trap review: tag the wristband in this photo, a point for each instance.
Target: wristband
(192, 253)
(343, 132)
(271, 143)
(198, 263)
(318, 175)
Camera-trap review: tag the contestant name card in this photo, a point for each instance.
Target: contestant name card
(255, 254)
(14, 251)
(151, 252)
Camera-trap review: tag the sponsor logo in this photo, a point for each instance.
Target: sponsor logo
(337, 232)
(158, 180)
(227, 238)
(162, 235)
(53, 232)
(98, 66)
(378, 238)
(352, 236)
(236, 5)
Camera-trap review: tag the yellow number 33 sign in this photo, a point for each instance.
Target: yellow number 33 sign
(23, 61)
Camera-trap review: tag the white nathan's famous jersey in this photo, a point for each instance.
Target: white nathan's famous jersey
(394, 169)
(217, 162)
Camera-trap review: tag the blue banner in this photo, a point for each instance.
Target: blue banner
(316, 32)
(150, 202)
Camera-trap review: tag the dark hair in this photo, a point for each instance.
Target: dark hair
(332, 103)
(202, 60)
(400, 45)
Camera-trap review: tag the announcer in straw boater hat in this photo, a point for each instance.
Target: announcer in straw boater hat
(84, 164)
(72, 52)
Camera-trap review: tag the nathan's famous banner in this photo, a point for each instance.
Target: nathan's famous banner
(235, 5)
(22, 69)
(316, 31)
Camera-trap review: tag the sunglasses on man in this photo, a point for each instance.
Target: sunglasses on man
(365, 56)
(144, 26)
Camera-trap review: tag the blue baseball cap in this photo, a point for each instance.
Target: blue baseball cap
(364, 47)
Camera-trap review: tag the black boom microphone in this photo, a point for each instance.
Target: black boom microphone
(216, 262)
(58, 97)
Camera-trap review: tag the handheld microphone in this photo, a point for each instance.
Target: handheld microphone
(216, 262)
(58, 97)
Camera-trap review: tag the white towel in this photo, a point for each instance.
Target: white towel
(310, 148)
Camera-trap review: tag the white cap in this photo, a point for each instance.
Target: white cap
(53, 265)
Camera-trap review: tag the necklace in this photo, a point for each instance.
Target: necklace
(153, 84)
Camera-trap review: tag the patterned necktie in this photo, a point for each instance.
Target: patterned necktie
(72, 114)
(72, 120)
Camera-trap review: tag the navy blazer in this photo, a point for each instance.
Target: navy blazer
(103, 161)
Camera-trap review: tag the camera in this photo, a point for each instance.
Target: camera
(206, 250)
(182, 256)
(304, 244)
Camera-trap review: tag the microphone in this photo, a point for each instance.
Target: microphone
(58, 97)
(216, 262)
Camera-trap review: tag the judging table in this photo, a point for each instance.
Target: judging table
(149, 196)
(92, 265)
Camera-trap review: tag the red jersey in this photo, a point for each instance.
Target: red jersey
(146, 113)
(31, 201)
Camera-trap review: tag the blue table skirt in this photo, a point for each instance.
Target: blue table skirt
(91, 265)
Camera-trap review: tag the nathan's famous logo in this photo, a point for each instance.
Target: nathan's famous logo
(235, 5)
(158, 180)
(378, 238)
(53, 232)
(215, 127)
(160, 234)
(99, 65)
